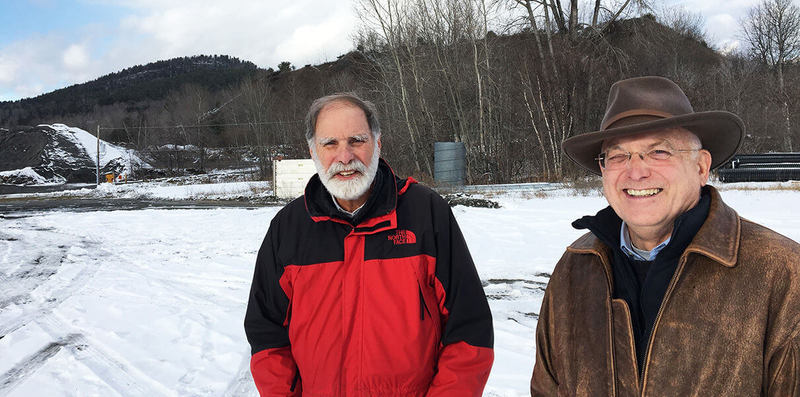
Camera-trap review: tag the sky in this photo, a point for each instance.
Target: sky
(721, 17)
(50, 44)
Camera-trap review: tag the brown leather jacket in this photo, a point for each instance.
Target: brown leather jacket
(729, 324)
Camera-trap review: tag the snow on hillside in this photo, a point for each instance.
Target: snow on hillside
(26, 174)
(64, 154)
(108, 151)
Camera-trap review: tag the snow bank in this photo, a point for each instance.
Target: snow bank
(216, 191)
(27, 176)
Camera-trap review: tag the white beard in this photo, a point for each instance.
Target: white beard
(353, 188)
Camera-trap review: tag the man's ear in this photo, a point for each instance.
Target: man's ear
(704, 165)
(379, 143)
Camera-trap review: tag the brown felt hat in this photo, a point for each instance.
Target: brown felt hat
(647, 104)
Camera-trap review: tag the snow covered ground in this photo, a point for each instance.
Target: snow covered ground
(177, 188)
(150, 302)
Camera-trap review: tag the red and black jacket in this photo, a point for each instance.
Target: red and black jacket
(388, 303)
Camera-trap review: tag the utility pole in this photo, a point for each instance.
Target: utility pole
(98, 155)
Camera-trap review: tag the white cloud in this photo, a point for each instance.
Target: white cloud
(264, 32)
(255, 31)
(28, 90)
(712, 7)
(313, 43)
(8, 69)
(722, 19)
(722, 28)
(29, 67)
(729, 46)
(75, 57)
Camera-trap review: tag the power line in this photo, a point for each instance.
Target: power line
(177, 126)
(161, 148)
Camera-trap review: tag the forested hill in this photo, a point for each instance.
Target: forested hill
(511, 98)
(137, 84)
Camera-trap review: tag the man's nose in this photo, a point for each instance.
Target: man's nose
(637, 166)
(344, 154)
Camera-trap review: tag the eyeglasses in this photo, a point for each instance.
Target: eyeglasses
(616, 159)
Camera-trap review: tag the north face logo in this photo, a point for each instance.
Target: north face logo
(403, 237)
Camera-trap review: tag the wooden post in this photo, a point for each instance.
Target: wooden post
(98, 154)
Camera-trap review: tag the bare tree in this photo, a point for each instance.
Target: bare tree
(192, 108)
(420, 50)
(256, 106)
(603, 14)
(772, 30)
(389, 18)
(684, 21)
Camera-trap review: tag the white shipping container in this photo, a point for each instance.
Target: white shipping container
(291, 176)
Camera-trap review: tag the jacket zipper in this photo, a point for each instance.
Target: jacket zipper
(296, 379)
(651, 336)
(607, 270)
(423, 307)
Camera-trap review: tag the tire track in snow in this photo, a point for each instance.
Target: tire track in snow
(17, 289)
(18, 285)
(34, 277)
(29, 365)
(32, 289)
(48, 305)
(122, 377)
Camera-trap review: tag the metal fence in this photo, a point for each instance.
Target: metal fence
(763, 167)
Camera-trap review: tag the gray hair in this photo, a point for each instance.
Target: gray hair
(350, 97)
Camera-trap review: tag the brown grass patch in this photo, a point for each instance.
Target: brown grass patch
(768, 186)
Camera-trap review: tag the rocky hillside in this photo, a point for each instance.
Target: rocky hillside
(52, 154)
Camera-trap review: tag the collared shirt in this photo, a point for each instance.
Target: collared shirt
(636, 253)
(339, 207)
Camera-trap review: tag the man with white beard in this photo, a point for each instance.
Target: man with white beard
(365, 286)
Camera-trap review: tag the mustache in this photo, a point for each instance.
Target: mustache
(337, 167)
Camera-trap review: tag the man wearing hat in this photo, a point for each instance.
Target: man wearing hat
(670, 293)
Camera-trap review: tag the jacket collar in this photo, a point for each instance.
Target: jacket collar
(378, 212)
(718, 238)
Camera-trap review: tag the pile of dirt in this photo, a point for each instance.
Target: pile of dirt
(467, 201)
(49, 153)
